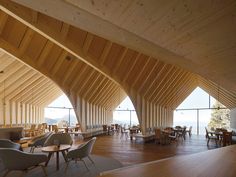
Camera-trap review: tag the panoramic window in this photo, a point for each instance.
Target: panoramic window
(125, 113)
(60, 112)
(200, 110)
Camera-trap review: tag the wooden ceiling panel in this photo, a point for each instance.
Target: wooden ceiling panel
(34, 52)
(13, 27)
(170, 86)
(52, 58)
(30, 84)
(76, 35)
(64, 67)
(97, 46)
(127, 61)
(140, 80)
(163, 80)
(137, 69)
(50, 22)
(93, 85)
(115, 52)
(74, 73)
(5, 61)
(160, 69)
(96, 91)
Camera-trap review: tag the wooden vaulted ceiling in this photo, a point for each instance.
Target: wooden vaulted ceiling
(21, 83)
(196, 35)
(45, 43)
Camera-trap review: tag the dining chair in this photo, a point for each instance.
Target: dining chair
(189, 131)
(227, 138)
(158, 137)
(124, 133)
(211, 136)
(173, 137)
(31, 131)
(181, 133)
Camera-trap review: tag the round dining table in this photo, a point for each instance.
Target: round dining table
(56, 149)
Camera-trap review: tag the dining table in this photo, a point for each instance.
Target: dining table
(56, 149)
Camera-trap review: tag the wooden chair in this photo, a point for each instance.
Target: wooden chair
(55, 129)
(182, 133)
(189, 131)
(173, 138)
(124, 133)
(31, 132)
(220, 135)
(211, 136)
(227, 138)
(158, 135)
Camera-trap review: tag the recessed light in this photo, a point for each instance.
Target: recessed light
(68, 58)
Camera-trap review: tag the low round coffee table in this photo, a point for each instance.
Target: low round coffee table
(51, 149)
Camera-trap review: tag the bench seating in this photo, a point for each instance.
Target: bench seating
(92, 130)
(11, 133)
(145, 138)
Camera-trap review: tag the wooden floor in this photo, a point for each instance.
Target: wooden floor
(129, 153)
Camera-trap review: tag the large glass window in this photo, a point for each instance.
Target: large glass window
(195, 111)
(186, 118)
(60, 112)
(125, 113)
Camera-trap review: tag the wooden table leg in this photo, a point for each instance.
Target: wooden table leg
(49, 157)
(57, 160)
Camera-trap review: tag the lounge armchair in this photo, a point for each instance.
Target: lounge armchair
(81, 152)
(38, 141)
(5, 143)
(17, 160)
(58, 138)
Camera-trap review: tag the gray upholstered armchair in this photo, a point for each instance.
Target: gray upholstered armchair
(38, 141)
(61, 138)
(81, 152)
(17, 160)
(5, 143)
